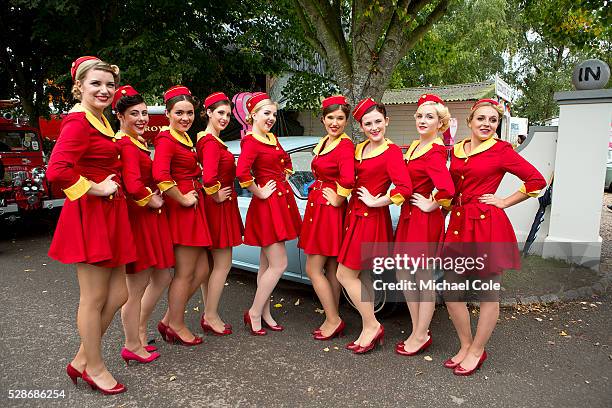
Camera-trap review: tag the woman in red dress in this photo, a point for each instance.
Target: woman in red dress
(221, 205)
(421, 223)
(176, 172)
(323, 227)
(94, 225)
(479, 227)
(377, 161)
(150, 273)
(273, 216)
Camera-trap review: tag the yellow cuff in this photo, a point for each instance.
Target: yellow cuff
(166, 185)
(397, 199)
(531, 193)
(445, 203)
(245, 184)
(289, 171)
(144, 201)
(213, 189)
(341, 191)
(78, 189)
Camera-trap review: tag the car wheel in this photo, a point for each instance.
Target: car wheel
(382, 306)
(610, 188)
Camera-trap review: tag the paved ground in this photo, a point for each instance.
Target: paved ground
(554, 357)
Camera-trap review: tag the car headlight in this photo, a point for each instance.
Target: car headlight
(34, 188)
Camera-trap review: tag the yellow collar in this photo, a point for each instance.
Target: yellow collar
(459, 150)
(411, 154)
(376, 152)
(317, 150)
(103, 127)
(182, 138)
(271, 140)
(203, 134)
(134, 140)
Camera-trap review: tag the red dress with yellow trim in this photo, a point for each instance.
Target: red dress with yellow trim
(277, 218)
(471, 221)
(176, 164)
(333, 166)
(150, 227)
(219, 171)
(374, 171)
(91, 229)
(427, 170)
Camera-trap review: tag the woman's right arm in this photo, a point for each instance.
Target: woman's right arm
(248, 154)
(164, 150)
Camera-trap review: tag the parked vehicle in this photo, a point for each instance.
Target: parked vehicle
(247, 257)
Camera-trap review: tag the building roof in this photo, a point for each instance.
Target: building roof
(462, 92)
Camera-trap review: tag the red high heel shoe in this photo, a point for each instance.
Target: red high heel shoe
(463, 372)
(73, 373)
(128, 355)
(117, 389)
(227, 329)
(247, 322)
(315, 331)
(401, 348)
(402, 342)
(162, 329)
(150, 348)
(378, 339)
(450, 363)
(276, 327)
(174, 338)
(339, 331)
(352, 346)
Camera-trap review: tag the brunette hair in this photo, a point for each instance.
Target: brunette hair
(378, 107)
(258, 107)
(212, 107)
(95, 64)
(332, 108)
(173, 101)
(127, 101)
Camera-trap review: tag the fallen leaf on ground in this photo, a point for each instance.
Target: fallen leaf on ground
(563, 333)
(428, 358)
(278, 305)
(418, 373)
(552, 343)
(326, 349)
(196, 309)
(310, 389)
(297, 303)
(172, 377)
(457, 400)
(320, 311)
(226, 284)
(336, 348)
(29, 270)
(538, 319)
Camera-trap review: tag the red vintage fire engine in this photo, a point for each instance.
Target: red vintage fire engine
(23, 187)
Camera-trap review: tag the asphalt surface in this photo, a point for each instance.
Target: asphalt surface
(554, 357)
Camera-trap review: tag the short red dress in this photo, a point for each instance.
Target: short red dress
(150, 227)
(91, 229)
(333, 166)
(219, 171)
(366, 225)
(176, 164)
(420, 232)
(471, 221)
(277, 218)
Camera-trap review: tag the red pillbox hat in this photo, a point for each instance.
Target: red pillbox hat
(255, 99)
(79, 61)
(430, 98)
(214, 98)
(334, 100)
(480, 102)
(176, 91)
(125, 90)
(362, 107)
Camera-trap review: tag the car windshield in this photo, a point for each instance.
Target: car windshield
(18, 141)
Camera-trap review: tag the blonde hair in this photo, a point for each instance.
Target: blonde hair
(498, 109)
(442, 112)
(96, 65)
(258, 107)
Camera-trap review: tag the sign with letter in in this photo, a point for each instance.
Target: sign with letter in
(591, 74)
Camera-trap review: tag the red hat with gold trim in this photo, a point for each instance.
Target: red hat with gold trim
(75, 65)
(487, 100)
(334, 100)
(176, 90)
(255, 99)
(125, 90)
(430, 98)
(214, 98)
(362, 107)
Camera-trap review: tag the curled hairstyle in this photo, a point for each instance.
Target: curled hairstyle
(498, 109)
(96, 65)
(173, 101)
(126, 102)
(332, 108)
(204, 112)
(379, 107)
(258, 107)
(442, 112)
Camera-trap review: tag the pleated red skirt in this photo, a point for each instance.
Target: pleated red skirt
(94, 230)
(188, 225)
(225, 223)
(152, 239)
(322, 229)
(418, 233)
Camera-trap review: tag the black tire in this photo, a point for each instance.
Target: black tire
(382, 308)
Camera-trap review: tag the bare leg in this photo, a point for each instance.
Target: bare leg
(263, 267)
(160, 279)
(489, 312)
(411, 297)
(130, 312)
(276, 256)
(181, 288)
(425, 307)
(362, 297)
(460, 317)
(324, 290)
(221, 267)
